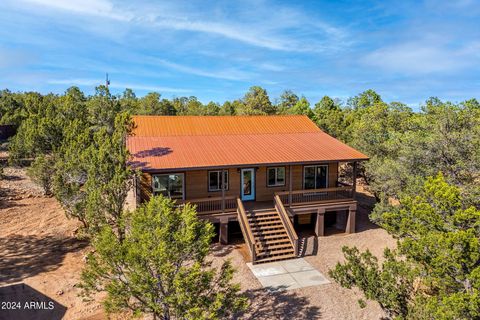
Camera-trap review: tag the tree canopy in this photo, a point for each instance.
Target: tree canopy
(424, 170)
(435, 272)
(160, 267)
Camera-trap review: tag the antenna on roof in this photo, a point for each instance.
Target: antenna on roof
(107, 81)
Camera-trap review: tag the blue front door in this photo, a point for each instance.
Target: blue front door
(248, 184)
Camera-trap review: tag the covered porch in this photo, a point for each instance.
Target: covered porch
(339, 200)
(292, 194)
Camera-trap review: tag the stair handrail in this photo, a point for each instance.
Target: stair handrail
(245, 227)
(292, 235)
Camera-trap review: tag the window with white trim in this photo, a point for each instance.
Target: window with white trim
(275, 176)
(215, 180)
(170, 185)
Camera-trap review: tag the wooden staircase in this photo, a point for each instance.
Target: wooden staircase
(272, 242)
(269, 233)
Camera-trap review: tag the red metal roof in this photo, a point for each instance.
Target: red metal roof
(187, 142)
(165, 126)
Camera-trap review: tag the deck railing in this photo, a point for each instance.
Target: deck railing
(246, 231)
(299, 197)
(292, 235)
(213, 204)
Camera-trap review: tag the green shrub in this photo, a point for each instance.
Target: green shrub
(41, 171)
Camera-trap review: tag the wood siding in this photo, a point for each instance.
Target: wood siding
(144, 186)
(196, 183)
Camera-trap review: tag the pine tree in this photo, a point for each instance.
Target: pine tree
(160, 267)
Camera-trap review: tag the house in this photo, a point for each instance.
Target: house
(265, 174)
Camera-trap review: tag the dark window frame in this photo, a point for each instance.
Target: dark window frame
(276, 175)
(315, 166)
(182, 174)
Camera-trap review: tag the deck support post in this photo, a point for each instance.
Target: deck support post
(223, 190)
(352, 212)
(354, 179)
(223, 236)
(290, 183)
(320, 224)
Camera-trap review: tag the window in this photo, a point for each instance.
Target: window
(276, 176)
(215, 180)
(170, 185)
(315, 177)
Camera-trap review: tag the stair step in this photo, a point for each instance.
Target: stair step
(268, 231)
(276, 258)
(286, 244)
(267, 222)
(266, 228)
(270, 251)
(271, 231)
(261, 214)
(275, 252)
(271, 236)
(259, 219)
(272, 209)
(273, 242)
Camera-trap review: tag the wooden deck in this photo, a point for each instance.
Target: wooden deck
(293, 199)
(267, 225)
(258, 205)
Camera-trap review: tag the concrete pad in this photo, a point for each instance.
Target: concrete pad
(309, 278)
(267, 269)
(296, 265)
(287, 274)
(279, 282)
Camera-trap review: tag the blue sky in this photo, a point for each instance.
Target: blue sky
(405, 50)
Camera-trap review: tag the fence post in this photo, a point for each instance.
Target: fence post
(354, 180)
(223, 190)
(290, 183)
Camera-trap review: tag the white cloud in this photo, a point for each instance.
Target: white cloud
(422, 58)
(114, 84)
(103, 8)
(228, 74)
(271, 67)
(265, 31)
(240, 33)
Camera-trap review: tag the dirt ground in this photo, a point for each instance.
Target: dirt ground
(38, 249)
(329, 301)
(37, 244)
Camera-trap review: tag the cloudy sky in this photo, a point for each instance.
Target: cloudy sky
(215, 50)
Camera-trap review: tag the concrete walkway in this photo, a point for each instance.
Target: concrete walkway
(287, 274)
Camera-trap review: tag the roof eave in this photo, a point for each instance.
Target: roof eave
(250, 165)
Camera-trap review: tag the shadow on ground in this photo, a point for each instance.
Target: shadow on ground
(308, 244)
(8, 199)
(25, 303)
(363, 218)
(11, 177)
(26, 256)
(221, 250)
(279, 305)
